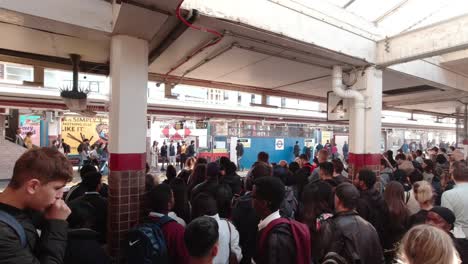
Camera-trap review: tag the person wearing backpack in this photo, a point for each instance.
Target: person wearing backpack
(355, 239)
(35, 189)
(280, 240)
(160, 239)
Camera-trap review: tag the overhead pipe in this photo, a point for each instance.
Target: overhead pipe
(357, 120)
(216, 40)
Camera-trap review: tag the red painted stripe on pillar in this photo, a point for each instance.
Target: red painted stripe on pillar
(127, 162)
(364, 159)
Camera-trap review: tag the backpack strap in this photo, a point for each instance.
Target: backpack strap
(15, 225)
(295, 229)
(164, 220)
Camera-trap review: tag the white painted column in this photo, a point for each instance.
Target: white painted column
(365, 136)
(128, 95)
(373, 112)
(127, 138)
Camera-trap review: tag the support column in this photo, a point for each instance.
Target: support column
(365, 135)
(38, 76)
(127, 138)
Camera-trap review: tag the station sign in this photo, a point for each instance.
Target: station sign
(279, 144)
(309, 142)
(245, 142)
(337, 108)
(201, 125)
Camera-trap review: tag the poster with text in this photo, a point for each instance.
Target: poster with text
(326, 136)
(245, 142)
(76, 128)
(31, 123)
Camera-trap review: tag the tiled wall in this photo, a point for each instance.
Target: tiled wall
(126, 196)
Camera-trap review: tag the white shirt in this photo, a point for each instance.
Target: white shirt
(224, 237)
(457, 201)
(272, 217)
(171, 215)
(413, 205)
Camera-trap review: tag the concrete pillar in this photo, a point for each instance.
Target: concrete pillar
(365, 134)
(127, 138)
(2, 128)
(38, 76)
(168, 90)
(265, 100)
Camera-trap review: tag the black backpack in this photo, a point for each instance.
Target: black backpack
(146, 243)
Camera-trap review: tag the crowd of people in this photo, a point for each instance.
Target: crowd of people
(175, 154)
(414, 211)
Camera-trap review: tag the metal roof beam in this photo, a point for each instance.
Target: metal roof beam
(438, 39)
(287, 18)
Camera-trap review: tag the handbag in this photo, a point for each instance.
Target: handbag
(232, 256)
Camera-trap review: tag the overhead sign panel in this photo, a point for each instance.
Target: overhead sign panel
(337, 108)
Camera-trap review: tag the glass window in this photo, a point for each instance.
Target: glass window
(64, 80)
(16, 72)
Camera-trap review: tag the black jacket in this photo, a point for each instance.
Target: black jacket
(79, 190)
(300, 179)
(209, 186)
(239, 150)
(99, 205)
(280, 246)
(49, 248)
(83, 248)
(361, 235)
(191, 150)
(233, 180)
(246, 221)
(372, 207)
(164, 151)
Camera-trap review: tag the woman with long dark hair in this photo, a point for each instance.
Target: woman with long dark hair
(198, 176)
(171, 174)
(397, 219)
(181, 204)
(184, 174)
(318, 199)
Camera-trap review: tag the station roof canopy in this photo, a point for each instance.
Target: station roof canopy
(272, 47)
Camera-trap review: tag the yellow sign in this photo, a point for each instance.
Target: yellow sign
(76, 128)
(326, 136)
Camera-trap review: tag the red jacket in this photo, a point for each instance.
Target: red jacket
(174, 235)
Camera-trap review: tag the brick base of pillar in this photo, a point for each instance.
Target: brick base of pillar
(126, 200)
(363, 161)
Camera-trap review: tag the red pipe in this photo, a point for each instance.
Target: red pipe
(199, 50)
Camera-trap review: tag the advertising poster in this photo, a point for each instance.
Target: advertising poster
(326, 136)
(245, 142)
(279, 144)
(31, 123)
(75, 129)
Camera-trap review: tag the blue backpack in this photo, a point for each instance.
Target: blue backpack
(146, 243)
(15, 225)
